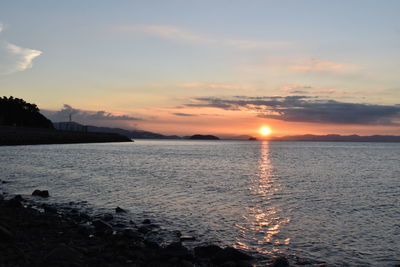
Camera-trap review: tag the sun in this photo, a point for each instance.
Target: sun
(265, 130)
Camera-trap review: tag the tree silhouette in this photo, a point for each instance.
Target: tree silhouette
(17, 112)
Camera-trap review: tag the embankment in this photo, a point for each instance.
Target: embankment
(32, 136)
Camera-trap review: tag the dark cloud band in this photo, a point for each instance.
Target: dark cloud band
(307, 109)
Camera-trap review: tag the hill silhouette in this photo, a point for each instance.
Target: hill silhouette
(17, 112)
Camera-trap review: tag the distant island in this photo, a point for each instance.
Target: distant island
(133, 134)
(338, 138)
(203, 137)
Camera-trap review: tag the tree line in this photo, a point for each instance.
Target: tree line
(18, 112)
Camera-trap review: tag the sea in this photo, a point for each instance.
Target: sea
(337, 202)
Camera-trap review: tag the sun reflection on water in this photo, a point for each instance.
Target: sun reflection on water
(261, 225)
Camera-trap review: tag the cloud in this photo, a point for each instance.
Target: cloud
(84, 116)
(318, 65)
(201, 85)
(179, 34)
(14, 58)
(306, 109)
(184, 114)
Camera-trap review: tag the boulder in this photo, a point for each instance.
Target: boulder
(207, 251)
(14, 203)
(120, 210)
(230, 254)
(49, 209)
(107, 217)
(175, 250)
(41, 193)
(18, 198)
(102, 226)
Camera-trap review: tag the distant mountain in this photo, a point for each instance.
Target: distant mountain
(203, 137)
(134, 134)
(338, 138)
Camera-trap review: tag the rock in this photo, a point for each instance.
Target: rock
(129, 233)
(49, 209)
(280, 262)
(102, 226)
(207, 251)
(41, 193)
(147, 228)
(64, 254)
(5, 234)
(18, 198)
(230, 254)
(302, 261)
(175, 250)
(107, 217)
(1, 197)
(229, 264)
(187, 238)
(14, 203)
(119, 210)
(146, 221)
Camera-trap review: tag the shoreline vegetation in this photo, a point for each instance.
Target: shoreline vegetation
(10, 135)
(38, 233)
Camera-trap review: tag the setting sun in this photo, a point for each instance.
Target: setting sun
(265, 130)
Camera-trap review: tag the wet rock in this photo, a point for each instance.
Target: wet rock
(175, 250)
(230, 254)
(14, 203)
(49, 209)
(280, 262)
(102, 226)
(129, 233)
(302, 261)
(5, 234)
(41, 193)
(120, 210)
(146, 221)
(207, 251)
(107, 217)
(187, 238)
(18, 198)
(147, 228)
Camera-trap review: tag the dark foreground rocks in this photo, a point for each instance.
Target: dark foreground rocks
(45, 236)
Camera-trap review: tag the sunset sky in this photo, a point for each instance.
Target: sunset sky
(211, 67)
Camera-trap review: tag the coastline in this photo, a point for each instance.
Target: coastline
(10, 135)
(33, 233)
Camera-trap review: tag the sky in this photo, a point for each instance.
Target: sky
(211, 67)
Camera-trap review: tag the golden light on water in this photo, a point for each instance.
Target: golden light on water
(263, 221)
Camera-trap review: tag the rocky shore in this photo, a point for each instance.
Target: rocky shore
(36, 233)
(32, 136)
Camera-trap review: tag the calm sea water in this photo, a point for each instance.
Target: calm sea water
(336, 202)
